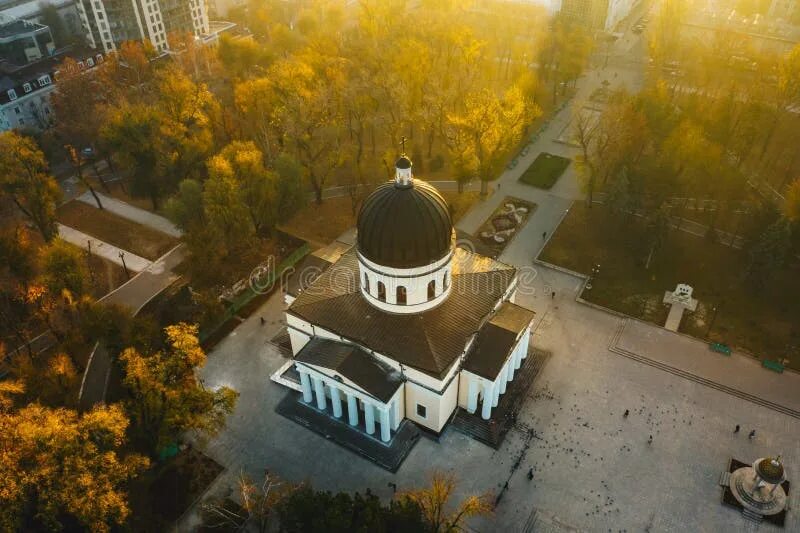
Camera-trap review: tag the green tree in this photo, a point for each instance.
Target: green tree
(25, 181)
(63, 268)
(166, 397)
(769, 253)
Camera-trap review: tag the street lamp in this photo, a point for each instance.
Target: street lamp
(714, 311)
(595, 273)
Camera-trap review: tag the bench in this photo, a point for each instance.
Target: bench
(720, 348)
(772, 365)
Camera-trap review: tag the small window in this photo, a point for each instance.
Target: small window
(431, 290)
(401, 295)
(12, 94)
(381, 291)
(17, 110)
(100, 56)
(422, 411)
(366, 283)
(44, 80)
(27, 88)
(90, 62)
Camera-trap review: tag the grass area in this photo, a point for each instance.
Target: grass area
(120, 232)
(763, 321)
(321, 224)
(545, 170)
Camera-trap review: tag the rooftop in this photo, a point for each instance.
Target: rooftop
(430, 341)
(353, 363)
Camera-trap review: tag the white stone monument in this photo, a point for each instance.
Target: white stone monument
(680, 299)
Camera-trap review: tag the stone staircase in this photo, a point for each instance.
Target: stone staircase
(752, 521)
(492, 432)
(725, 479)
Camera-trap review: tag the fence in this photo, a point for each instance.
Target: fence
(246, 296)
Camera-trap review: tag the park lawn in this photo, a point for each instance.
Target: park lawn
(120, 232)
(545, 170)
(762, 321)
(319, 224)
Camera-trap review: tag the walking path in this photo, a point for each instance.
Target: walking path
(136, 214)
(103, 249)
(133, 295)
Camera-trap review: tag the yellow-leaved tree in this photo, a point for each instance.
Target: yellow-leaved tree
(62, 470)
(166, 396)
(434, 504)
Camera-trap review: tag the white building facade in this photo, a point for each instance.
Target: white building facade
(406, 326)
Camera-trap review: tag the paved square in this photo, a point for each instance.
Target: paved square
(594, 470)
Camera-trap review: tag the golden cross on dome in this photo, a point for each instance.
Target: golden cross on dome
(403, 145)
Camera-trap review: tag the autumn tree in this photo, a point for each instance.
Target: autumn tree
(166, 397)
(253, 189)
(791, 207)
(62, 470)
(769, 252)
(62, 267)
(434, 502)
(482, 135)
(165, 142)
(25, 181)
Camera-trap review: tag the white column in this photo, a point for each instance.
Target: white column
(305, 383)
(385, 429)
(518, 356)
(396, 410)
(488, 399)
(352, 409)
(319, 388)
(503, 379)
(472, 395)
(496, 390)
(510, 366)
(336, 401)
(369, 417)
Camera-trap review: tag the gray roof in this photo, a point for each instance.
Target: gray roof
(353, 363)
(496, 340)
(430, 341)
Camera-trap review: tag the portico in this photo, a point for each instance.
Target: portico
(328, 374)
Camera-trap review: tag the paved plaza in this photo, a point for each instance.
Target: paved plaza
(593, 469)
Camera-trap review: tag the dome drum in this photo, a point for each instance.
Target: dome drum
(405, 244)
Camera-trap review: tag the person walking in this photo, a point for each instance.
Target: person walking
(263, 321)
(553, 295)
(626, 413)
(650, 440)
(752, 434)
(736, 429)
(530, 474)
(544, 235)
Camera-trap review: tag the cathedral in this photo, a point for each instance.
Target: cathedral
(405, 325)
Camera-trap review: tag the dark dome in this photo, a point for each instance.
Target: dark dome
(403, 162)
(770, 470)
(404, 227)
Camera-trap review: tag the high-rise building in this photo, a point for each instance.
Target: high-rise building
(109, 23)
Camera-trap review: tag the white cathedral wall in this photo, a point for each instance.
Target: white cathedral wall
(438, 407)
(415, 281)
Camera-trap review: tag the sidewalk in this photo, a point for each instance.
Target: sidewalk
(737, 371)
(134, 295)
(103, 249)
(136, 214)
